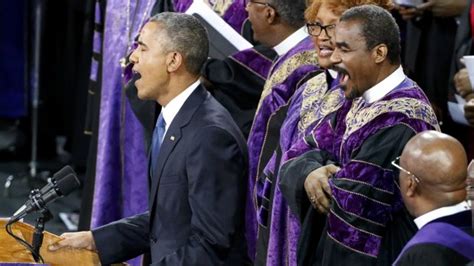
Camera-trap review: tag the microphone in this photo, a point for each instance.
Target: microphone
(61, 184)
(52, 181)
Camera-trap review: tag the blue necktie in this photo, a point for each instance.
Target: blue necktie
(158, 135)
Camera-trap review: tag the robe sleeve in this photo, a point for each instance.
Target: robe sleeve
(366, 201)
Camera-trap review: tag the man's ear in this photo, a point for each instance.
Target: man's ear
(411, 187)
(173, 61)
(380, 53)
(270, 15)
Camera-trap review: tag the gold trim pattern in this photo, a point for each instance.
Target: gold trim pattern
(307, 57)
(318, 102)
(360, 115)
(219, 6)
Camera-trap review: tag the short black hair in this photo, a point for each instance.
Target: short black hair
(290, 11)
(187, 36)
(377, 26)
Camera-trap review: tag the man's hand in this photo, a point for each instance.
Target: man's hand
(462, 83)
(439, 8)
(446, 8)
(469, 112)
(408, 13)
(79, 240)
(317, 187)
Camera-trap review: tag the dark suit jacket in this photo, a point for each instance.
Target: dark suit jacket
(197, 194)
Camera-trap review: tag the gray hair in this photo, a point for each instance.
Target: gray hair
(186, 35)
(290, 11)
(377, 27)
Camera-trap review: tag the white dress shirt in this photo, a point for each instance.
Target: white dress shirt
(382, 88)
(290, 41)
(172, 108)
(441, 212)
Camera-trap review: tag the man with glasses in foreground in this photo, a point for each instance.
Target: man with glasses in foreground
(433, 185)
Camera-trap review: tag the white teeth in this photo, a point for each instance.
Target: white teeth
(325, 52)
(345, 78)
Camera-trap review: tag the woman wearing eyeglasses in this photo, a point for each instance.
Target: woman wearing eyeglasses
(312, 101)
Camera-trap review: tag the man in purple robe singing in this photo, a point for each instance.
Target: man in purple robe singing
(346, 171)
(433, 184)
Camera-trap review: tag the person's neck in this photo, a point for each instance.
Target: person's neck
(279, 33)
(177, 84)
(428, 204)
(386, 70)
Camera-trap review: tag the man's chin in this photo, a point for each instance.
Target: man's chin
(140, 94)
(325, 63)
(349, 93)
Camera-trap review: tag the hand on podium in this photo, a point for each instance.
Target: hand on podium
(79, 240)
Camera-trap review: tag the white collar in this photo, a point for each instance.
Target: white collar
(441, 212)
(382, 88)
(332, 73)
(290, 41)
(172, 108)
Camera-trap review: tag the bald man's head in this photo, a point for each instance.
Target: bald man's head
(439, 161)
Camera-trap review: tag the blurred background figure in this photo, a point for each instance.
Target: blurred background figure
(429, 45)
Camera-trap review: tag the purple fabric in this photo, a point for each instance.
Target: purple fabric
(254, 61)
(351, 237)
(94, 70)
(407, 89)
(352, 131)
(135, 183)
(361, 206)
(443, 234)
(369, 174)
(181, 5)
(97, 43)
(285, 226)
(121, 177)
(97, 14)
(322, 134)
(236, 14)
(279, 95)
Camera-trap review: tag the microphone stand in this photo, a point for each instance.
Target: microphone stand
(33, 176)
(45, 216)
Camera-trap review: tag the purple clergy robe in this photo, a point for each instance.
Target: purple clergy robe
(287, 73)
(366, 207)
(310, 103)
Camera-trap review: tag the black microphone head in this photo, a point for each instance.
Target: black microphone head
(67, 184)
(66, 170)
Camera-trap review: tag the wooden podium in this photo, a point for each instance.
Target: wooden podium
(12, 251)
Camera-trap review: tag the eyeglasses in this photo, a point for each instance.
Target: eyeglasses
(396, 163)
(258, 3)
(315, 29)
